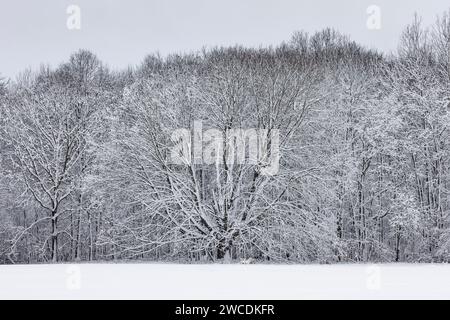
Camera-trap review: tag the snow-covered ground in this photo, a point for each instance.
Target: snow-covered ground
(172, 281)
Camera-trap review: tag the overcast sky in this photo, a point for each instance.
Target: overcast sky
(122, 32)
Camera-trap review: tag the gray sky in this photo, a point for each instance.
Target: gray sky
(122, 32)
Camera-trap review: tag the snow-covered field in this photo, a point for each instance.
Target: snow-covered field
(173, 281)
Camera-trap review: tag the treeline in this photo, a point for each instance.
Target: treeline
(85, 170)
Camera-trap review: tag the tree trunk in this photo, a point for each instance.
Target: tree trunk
(54, 238)
(397, 246)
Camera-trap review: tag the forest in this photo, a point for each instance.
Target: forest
(364, 166)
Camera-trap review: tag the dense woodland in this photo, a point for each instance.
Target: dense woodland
(364, 170)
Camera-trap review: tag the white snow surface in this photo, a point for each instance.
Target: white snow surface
(224, 281)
